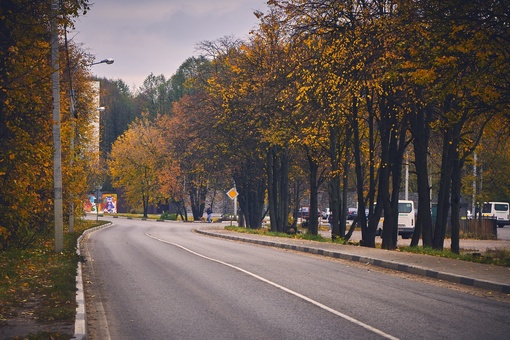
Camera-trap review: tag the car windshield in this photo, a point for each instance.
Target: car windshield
(405, 208)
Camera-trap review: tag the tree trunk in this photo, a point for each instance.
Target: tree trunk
(345, 184)
(334, 185)
(421, 133)
(383, 195)
(197, 195)
(343, 201)
(296, 201)
(443, 195)
(145, 204)
(313, 225)
(251, 186)
(393, 130)
(397, 150)
(278, 187)
(456, 188)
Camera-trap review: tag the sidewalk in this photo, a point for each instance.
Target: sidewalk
(489, 277)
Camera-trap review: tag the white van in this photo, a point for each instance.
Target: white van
(406, 219)
(497, 210)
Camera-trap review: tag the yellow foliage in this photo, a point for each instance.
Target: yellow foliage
(4, 233)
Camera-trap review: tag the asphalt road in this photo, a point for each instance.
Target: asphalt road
(159, 280)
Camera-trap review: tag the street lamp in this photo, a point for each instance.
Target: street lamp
(73, 115)
(57, 155)
(107, 61)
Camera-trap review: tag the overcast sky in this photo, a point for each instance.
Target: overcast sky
(157, 36)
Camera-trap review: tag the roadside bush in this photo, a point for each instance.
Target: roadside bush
(168, 216)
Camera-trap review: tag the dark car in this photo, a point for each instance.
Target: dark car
(352, 213)
(304, 212)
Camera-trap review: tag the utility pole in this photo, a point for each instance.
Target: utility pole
(57, 155)
(71, 153)
(473, 203)
(407, 177)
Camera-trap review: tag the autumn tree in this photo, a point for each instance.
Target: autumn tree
(238, 99)
(26, 195)
(464, 91)
(171, 182)
(269, 59)
(193, 142)
(135, 161)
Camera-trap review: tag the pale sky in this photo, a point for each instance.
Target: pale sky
(157, 36)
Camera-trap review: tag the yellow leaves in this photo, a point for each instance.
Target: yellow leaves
(4, 233)
(447, 60)
(423, 77)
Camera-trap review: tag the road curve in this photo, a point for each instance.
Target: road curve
(157, 280)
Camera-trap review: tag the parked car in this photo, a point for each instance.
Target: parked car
(325, 213)
(304, 212)
(352, 213)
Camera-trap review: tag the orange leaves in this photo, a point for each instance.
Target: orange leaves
(4, 233)
(136, 160)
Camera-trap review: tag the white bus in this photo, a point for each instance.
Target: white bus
(497, 210)
(406, 219)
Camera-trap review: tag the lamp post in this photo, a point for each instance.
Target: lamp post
(107, 61)
(98, 200)
(57, 155)
(73, 115)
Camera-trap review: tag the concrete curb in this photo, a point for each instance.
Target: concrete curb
(80, 323)
(468, 281)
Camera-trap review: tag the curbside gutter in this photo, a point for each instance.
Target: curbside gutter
(412, 269)
(80, 323)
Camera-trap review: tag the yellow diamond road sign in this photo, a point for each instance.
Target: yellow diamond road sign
(232, 193)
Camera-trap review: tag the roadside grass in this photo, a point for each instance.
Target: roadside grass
(498, 257)
(162, 216)
(39, 285)
(302, 234)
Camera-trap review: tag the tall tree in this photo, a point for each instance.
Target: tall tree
(25, 117)
(120, 111)
(155, 96)
(134, 164)
(240, 100)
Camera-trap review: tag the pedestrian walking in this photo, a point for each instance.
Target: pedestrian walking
(209, 214)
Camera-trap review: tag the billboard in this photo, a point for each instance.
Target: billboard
(107, 204)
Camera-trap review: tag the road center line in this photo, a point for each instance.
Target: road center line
(316, 303)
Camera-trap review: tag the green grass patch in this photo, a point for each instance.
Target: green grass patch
(302, 235)
(498, 257)
(261, 231)
(40, 282)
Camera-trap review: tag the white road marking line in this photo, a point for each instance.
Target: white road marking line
(316, 303)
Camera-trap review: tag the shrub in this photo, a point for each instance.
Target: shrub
(168, 216)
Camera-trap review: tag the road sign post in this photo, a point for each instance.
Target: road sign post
(232, 193)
